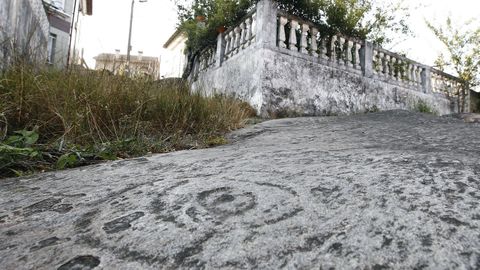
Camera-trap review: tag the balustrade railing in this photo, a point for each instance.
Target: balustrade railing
(302, 36)
(239, 37)
(229, 43)
(394, 67)
(205, 60)
(445, 83)
(297, 37)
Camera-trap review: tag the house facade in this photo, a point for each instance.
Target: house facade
(140, 65)
(173, 56)
(41, 30)
(64, 17)
(76, 58)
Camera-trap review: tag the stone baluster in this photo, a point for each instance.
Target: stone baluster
(381, 68)
(243, 28)
(323, 48)
(303, 38)
(248, 35)
(434, 80)
(387, 65)
(419, 76)
(227, 45)
(293, 36)
(232, 43)
(349, 53)
(333, 49)
(394, 68)
(253, 29)
(341, 59)
(313, 42)
(237, 39)
(399, 69)
(437, 82)
(403, 70)
(357, 48)
(375, 62)
(281, 32)
(414, 75)
(409, 73)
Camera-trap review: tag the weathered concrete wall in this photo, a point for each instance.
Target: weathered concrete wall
(239, 76)
(24, 30)
(277, 82)
(293, 84)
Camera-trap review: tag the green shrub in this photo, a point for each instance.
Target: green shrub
(423, 107)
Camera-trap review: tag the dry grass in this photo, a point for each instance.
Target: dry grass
(81, 109)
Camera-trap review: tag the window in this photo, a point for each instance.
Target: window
(52, 40)
(60, 4)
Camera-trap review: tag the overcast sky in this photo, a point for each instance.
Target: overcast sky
(155, 20)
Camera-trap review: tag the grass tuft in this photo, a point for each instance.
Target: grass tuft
(423, 107)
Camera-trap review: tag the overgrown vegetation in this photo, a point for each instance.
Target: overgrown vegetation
(376, 20)
(461, 42)
(58, 119)
(423, 107)
(463, 53)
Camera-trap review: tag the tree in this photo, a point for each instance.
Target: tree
(362, 19)
(462, 44)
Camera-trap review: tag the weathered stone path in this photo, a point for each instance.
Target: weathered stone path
(387, 190)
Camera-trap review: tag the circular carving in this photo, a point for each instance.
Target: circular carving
(254, 203)
(225, 201)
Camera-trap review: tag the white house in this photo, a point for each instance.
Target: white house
(64, 17)
(173, 56)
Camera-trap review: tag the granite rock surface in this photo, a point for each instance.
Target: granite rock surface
(390, 190)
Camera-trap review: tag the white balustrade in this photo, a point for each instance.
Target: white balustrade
(323, 49)
(341, 59)
(281, 32)
(381, 63)
(292, 41)
(303, 38)
(237, 31)
(349, 53)
(248, 36)
(313, 42)
(375, 61)
(357, 64)
(243, 28)
(232, 43)
(333, 49)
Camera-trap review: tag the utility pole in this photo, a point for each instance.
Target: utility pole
(129, 48)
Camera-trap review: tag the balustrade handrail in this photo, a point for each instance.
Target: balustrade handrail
(300, 20)
(248, 15)
(297, 18)
(448, 76)
(399, 56)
